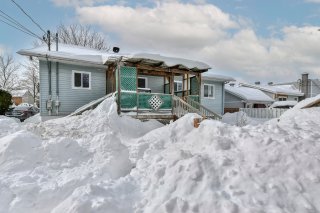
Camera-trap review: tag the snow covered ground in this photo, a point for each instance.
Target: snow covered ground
(99, 162)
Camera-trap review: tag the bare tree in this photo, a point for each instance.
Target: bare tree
(30, 79)
(81, 35)
(8, 72)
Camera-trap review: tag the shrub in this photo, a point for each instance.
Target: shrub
(5, 101)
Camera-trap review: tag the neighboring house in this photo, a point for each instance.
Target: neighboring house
(278, 92)
(75, 76)
(244, 97)
(310, 87)
(21, 96)
(213, 91)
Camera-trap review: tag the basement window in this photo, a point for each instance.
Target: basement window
(81, 80)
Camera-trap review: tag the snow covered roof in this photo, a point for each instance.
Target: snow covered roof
(18, 93)
(96, 57)
(212, 76)
(276, 89)
(283, 103)
(249, 94)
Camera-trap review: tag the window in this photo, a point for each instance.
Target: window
(177, 86)
(81, 80)
(282, 99)
(142, 82)
(208, 91)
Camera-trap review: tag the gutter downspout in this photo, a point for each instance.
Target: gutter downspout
(223, 94)
(57, 103)
(49, 101)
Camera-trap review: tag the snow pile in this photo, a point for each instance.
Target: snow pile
(230, 169)
(99, 162)
(307, 102)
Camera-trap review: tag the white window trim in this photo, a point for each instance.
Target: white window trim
(146, 80)
(214, 91)
(181, 86)
(72, 82)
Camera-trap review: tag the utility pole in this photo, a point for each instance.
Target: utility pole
(49, 39)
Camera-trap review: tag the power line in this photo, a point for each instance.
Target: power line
(17, 24)
(19, 29)
(28, 16)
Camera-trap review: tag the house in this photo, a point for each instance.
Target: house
(238, 96)
(310, 87)
(146, 85)
(277, 92)
(21, 96)
(213, 91)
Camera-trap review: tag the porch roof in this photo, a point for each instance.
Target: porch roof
(78, 54)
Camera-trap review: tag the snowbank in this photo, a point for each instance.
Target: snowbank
(99, 162)
(307, 102)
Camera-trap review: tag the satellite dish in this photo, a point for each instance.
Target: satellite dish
(115, 49)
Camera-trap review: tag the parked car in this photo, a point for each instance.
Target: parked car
(22, 112)
(9, 111)
(25, 104)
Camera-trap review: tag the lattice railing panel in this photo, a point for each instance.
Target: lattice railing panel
(128, 78)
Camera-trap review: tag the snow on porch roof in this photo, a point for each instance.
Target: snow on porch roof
(80, 54)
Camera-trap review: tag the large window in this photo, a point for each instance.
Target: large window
(208, 91)
(142, 82)
(177, 86)
(81, 80)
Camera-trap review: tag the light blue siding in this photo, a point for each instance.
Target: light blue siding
(215, 104)
(292, 98)
(155, 83)
(70, 99)
(232, 101)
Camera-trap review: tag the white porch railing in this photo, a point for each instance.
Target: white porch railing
(203, 110)
(181, 107)
(267, 113)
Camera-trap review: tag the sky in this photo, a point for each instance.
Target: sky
(250, 40)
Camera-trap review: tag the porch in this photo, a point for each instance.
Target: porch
(165, 102)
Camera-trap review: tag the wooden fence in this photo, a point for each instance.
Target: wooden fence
(266, 113)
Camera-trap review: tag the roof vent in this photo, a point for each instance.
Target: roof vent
(115, 49)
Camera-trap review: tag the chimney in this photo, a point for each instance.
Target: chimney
(270, 83)
(304, 84)
(257, 83)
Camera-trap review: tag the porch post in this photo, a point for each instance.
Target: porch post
(188, 85)
(171, 83)
(183, 85)
(200, 87)
(119, 89)
(171, 90)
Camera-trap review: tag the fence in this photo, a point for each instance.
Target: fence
(267, 113)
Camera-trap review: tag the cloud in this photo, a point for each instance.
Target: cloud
(204, 32)
(170, 24)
